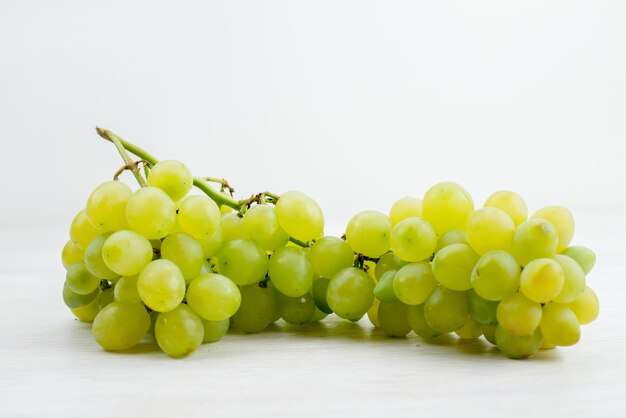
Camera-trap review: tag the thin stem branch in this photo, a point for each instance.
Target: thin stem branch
(130, 164)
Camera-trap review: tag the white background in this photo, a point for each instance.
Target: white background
(356, 103)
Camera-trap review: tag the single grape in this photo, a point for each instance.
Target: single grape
(80, 280)
(127, 253)
(404, 208)
(385, 263)
(542, 280)
(490, 229)
(212, 245)
(257, 309)
(120, 326)
(320, 286)
(413, 239)
(562, 220)
(185, 252)
(451, 237)
(518, 347)
(482, 310)
(583, 256)
(559, 325)
(574, 279)
(535, 238)
(72, 252)
(511, 203)
(151, 212)
(291, 271)
(414, 282)
(368, 233)
(75, 300)
(94, 261)
(447, 206)
(243, 261)
(318, 316)
(489, 332)
(496, 275)
(350, 293)
(213, 297)
(329, 255)
(383, 290)
(586, 307)
(82, 231)
(125, 290)
(261, 223)
(106, 206)
(232, 227)
(372, 313)
(214, 330)
(179, 332)
(88, 312)
(453, 266)
(518, 315)
(297, 310)
(173, 177)
(161, 285)
(446, 310)
(300, 216)
(417, 321)
(392, 319)
(107, 297)
(470, 330)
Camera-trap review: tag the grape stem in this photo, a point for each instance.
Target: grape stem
(129, 163)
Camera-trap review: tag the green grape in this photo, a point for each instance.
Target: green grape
(75, 300)
(518, 315)
(107, 297)
(583, 256)
(511, 203)
(154, 316)
(318, 316)
(490, 229)
(383, 290)
(414, 283)
(232, 227)
(179, 332)
(535, 238)
(446, 310)
(72, 252)
(447, 206)
(496, 275)
(127, 253)
(368, 233)
(542, 280)
(451, 237)
(185, 252)
(88, 312)
(559, 325)
(372, 313)
(94, 262)
(297, 310)
(257, 310)
(350, 293)
(120, 326)
(214, 330)
(417, 321)
(489, 332)
(291, 271)
(262, 226)
(80, 280)
(562, 220)
(161, 285)
(586, 307)
(151, 212)
(173, 177)
(82, 231)
(243, 261)
(212, 245)
(329, 255)
(574, 279)
(392, 319)
(518, 346)
(482, 310)
(413, 240)
(106, 206)
(300, 216)
(198, 216)
(470, 330)
(453, 266)
(125, 290)
(320, 286)
(385, 263)
(213, 297)
(407, 207)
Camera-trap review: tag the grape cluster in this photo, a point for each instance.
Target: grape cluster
(185, 268)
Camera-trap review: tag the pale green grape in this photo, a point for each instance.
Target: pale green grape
(414, 282)
(413, 239)
(482, 310)
(470, 330)
(212, 245)
(127, 252)
(257, 310)
(574, 279)
(120, 326)
(185, 252)
(94, 261)
(451, 237)
(392, 319)
(300, 216)
(125, 290)
(291, 271)
(171, 176)
(80, 280)
(179, 332)
(213, 297)
(329, 255)
(82, 231)
(107, 297)
(447, 206)
(559, 325)
(320, 286)
(446, 310)
(261, 223)
(75, 300)
(368, 233)
(583, 256)
(518, 347)
(151, 212)
(214, 330)
(586, 307)
(72, 252)
(542, 280)
(372, 313)
(297, 310)
(88, 312)
(535, 238)
(243, 261)
(489, 332)
(518, 315)
(404, 208)
(161, 285)
(383, 290)
(350, 293)
(232, 227)
(417, 321)
(511, 203)
(106, 206)
(384, 264)
(453, 266)
(562, 220)
(496, 275)
(490, 229)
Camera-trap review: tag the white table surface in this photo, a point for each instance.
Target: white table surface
(50, 365)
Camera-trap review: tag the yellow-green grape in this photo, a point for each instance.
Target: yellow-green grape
(407, 207)
(179, 332)
(559, 325)
(383, 290)
(446, 310)
(106, 206)
(490, 229)
(583, 256)
(562, 220)
(107, 297)
(80, 280)
(244, 262)
(574, 279)
(470, 330)
(413, 283)
(214, 330)
(94, 261)
(393, 320)
(518, 315)
(447, 206)
(368, 233)
(75, 300)
(82, 231)
(511, 203)
(535, 238)
(451, 237)
(213, 297)
(257, 310)
(329, 255)
(120, 326)
(318, 316)
(482, 310)
(496, 275)
(171, 176)
(413, 239)
(385, 263)
(198, 216)
(586, 307)
(232, 227)
(350, 293)
(417, 322)
(125, 290)
(72, 252)
(489, 332)
(372, 313)
(161, 285)
(542, 280)
(88, 312)
(453, 266)
(151, 212)
(127, 253)
(518, 347)
(212, 245)
(261, 223)
(319, 289)
(300, 216)
(185, 252)
(291, 271)
(297, 310)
